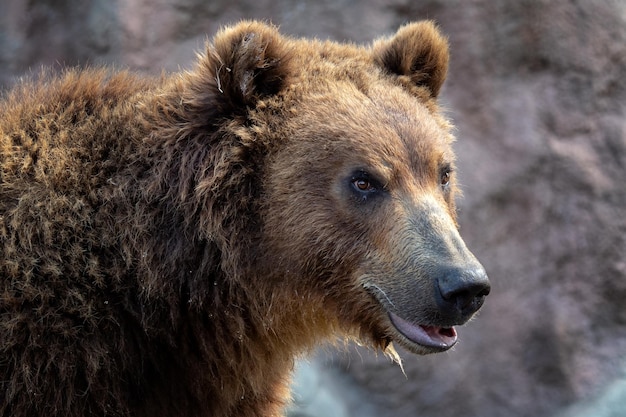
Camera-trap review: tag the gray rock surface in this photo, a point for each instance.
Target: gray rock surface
(537, 89)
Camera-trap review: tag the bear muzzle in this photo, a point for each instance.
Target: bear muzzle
(432, 284)
(459, 294)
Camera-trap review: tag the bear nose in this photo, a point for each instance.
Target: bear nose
(462, 291)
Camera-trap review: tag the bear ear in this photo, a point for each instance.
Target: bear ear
(417, 51)
(248, 62)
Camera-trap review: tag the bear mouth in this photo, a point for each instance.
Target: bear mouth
(434, 338)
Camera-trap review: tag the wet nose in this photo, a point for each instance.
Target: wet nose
(462, 291)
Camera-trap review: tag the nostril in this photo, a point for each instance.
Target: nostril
(484, 291)
(461, 300)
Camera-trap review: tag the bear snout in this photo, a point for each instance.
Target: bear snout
(461, 291)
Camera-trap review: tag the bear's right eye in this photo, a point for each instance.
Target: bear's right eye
(362, 184)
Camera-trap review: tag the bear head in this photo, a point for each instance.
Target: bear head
(337, 180)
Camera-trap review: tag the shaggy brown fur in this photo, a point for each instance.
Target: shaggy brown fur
(170, 245)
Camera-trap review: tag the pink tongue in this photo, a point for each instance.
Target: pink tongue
(429, 336)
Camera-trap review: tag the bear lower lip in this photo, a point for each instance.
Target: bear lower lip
(441, 338)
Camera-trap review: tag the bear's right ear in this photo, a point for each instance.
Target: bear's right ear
(246, 63)
(417, 51)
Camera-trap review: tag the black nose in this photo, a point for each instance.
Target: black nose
(462, 291)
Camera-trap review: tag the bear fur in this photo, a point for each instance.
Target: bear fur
(170, 245)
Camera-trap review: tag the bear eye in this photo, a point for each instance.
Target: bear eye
(362, 184)
(444, 179)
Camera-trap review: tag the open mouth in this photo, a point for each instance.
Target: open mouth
(432, 337)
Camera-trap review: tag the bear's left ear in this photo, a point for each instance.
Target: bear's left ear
(417, 51)
(247, 62)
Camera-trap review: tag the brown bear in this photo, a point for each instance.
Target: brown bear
(169, 245)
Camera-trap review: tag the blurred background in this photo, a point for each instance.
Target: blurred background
(537, 90)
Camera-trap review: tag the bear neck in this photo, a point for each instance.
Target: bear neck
(197, 272)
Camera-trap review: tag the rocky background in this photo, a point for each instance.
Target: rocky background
(537, 89)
